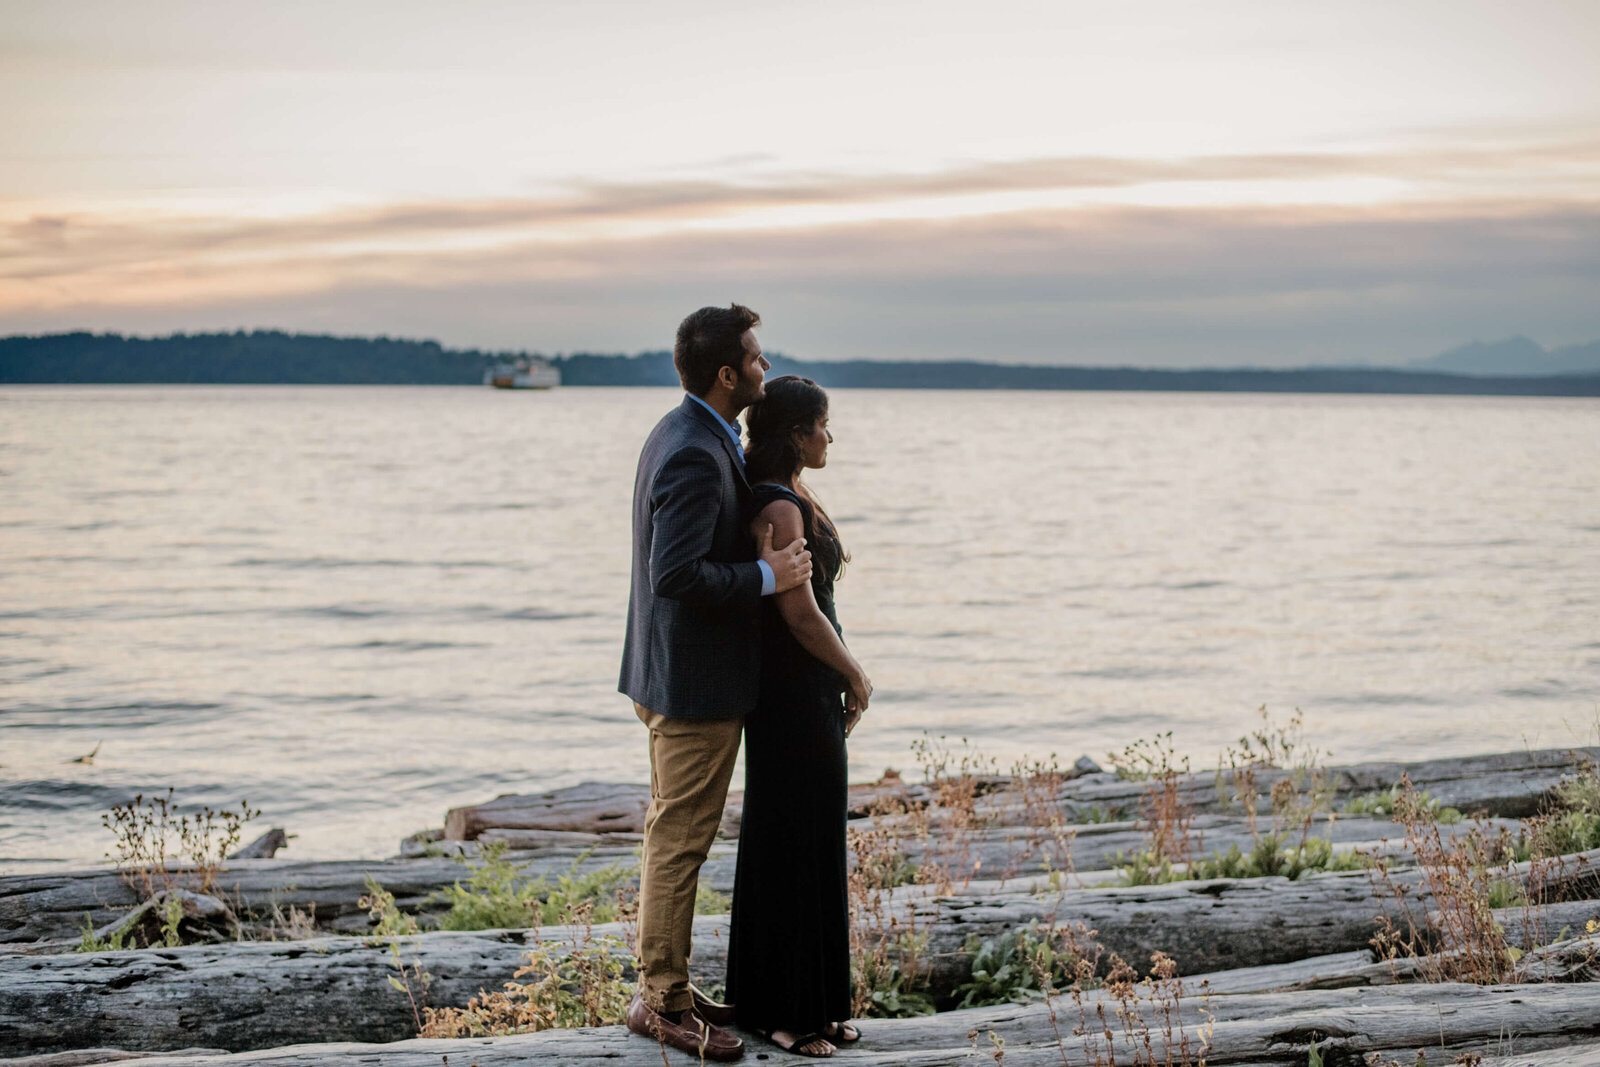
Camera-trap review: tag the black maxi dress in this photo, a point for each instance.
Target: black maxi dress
(789, 946)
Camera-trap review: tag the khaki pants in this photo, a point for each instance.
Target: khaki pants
(690, 765)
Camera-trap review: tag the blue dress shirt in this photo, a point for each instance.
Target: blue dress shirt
(769, 582)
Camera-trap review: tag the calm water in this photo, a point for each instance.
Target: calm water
(357, 607)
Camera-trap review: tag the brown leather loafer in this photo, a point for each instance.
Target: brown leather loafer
(693, 1035)
(710, 1010)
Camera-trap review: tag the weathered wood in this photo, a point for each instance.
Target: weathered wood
(593, 807)
(47, 908)
(1003, 851)
(42, 909)
(1576, 959)
(263, 847)
(1211, 925)
(1526, 926)
(84, 1057)
(1576, 1054)
(249, 995)
(1506, 784)
(1342, 970)
(605, 808)
(1261, 1029)
(112, 998)
(1007, 851)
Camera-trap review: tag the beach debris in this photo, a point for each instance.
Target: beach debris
(263, 847)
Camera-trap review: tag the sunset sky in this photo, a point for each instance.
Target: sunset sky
(1159, 184)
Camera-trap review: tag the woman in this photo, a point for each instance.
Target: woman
(789, 949)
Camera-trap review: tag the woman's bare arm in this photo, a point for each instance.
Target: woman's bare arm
(805, 619)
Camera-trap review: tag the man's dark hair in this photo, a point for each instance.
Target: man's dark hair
(708, 340)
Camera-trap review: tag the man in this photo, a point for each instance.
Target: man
(691, 658)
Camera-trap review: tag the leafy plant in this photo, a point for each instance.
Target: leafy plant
(567, 987)
(708, 901)
(498, 894)
(1269, 857)
(1573, 823)
(1013, 967)
(1384, 804)
(413, 981)
(387, 918)
(171, 916)
(894, 991)
(91, 943)
(1147, 758)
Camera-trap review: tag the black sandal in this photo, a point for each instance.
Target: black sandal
(803, 1039)
(839, 1036)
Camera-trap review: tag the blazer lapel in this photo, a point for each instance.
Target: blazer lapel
(720, 432)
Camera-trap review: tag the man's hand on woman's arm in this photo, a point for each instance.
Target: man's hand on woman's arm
(791, 565)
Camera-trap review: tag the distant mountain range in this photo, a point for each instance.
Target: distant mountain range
(1514, 367)
(1517, 356)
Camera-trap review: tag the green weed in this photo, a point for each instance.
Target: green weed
(1573, 822)
(566, 987)
(90, 943)
(708, 901)
(1384, 804)
(498, 894)
(1014, 967)
(893, 991)
(387, 918)
(1269, 857)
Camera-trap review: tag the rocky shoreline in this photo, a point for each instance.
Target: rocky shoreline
(1263, 969)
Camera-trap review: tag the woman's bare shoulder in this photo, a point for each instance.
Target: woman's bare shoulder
(783, 515)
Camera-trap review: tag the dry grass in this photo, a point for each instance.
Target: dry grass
(576, 984)
(946, 829)
(885, 954)
(153, 836)
(1295, 799)
(1458, 939)
(1167, 816)
(1033, 802)
(1135, 1021)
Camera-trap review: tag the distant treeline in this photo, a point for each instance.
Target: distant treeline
(275, 357)
(258, 357)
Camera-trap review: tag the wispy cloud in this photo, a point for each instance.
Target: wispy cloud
(963, 241)
(42, 245)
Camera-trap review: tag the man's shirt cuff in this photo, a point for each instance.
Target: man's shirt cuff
(769, 584)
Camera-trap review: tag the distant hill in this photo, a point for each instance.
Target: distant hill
(1518, 356)
(254, 358)
(276, 357)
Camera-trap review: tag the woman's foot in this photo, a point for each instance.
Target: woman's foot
(842, 1033)
(801, 1044)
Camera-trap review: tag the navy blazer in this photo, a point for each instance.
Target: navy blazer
(693, 648)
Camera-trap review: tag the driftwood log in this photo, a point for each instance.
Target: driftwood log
(43, 910)
(1510, 785)
(1211, 925)
(1546, 1024)
(264, 847)
(253, 995)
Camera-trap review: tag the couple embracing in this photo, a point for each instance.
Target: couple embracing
(728, 634)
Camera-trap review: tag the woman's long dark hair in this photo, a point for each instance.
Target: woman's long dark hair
(792, 405)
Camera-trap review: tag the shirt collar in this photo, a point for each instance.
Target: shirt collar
(732, 428)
